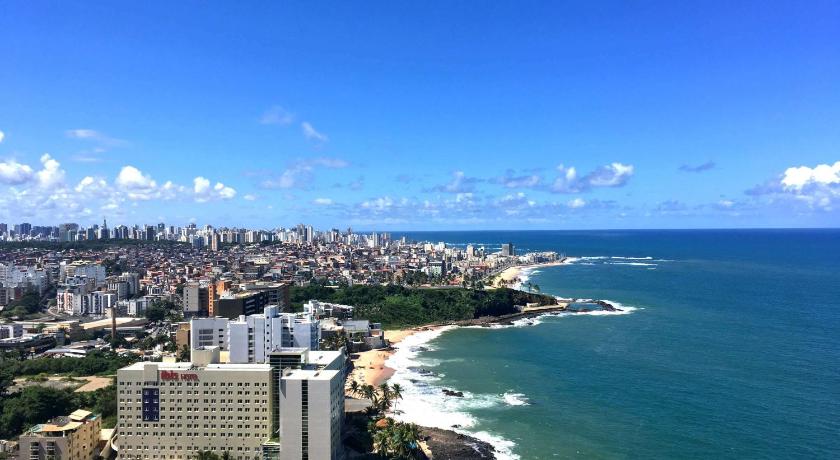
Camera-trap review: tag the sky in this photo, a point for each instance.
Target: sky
(421, 115)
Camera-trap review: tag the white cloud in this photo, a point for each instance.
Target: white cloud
(91, 185)
(2, 136)
(223, 191)
(611, 175)
(311, 133)
(203, 192)
(798, 178)
(301, 173)
(131, 178)
(14, 173)
(576, 203)
(250, 197)
(51, 175)
(460, 183)
(83, 134)
(322, 201)
(277, 115)
(202, 185)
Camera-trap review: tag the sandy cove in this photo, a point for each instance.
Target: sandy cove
(509, 276)
(369, 368)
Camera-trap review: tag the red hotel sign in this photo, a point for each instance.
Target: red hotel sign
(172, 375)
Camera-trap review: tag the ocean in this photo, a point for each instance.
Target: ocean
(728, 348)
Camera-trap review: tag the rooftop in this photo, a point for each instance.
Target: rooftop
(138, 366)
(303, 374)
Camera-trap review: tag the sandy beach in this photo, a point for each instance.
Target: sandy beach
(369, 367)
(509, 277)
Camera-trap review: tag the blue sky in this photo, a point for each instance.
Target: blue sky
(423, 115)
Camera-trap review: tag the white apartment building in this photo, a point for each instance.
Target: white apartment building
(311, 413)
(80, 269)
(209, 332)
(12, 276)
(252, 338)
(175, 410)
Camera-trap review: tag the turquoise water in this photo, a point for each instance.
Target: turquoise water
(733, 351)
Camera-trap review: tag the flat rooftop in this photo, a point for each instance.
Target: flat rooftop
(138, 366)
(302, 374)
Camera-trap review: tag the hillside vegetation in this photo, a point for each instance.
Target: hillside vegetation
(398, 306)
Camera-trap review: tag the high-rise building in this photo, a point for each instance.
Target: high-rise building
(196, 299)
(176, 410)
(252, 338)
(311, 411)
(508, 250)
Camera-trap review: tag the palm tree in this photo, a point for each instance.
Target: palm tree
(384, 397)
(396, 394)
(395, 440)
(536, 288)
(354, 387)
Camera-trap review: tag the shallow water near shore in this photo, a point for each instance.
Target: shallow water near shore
(731, 349)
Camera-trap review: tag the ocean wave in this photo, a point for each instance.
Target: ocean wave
(425, 403)
(637, 264)
(516, 399)
(504, 447)
(632, 258)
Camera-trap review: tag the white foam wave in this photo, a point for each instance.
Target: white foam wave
(632, 258)
(504, 447)
(516, 399)
(637, 264)
(424, 403)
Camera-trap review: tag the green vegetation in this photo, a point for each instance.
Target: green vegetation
(161, 310)
(27, 305)
(95, 363)
(397, 306)
(37, 404)
(383, 436)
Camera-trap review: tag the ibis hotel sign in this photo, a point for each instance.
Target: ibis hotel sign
(181, 376)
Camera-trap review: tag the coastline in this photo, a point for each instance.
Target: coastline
(515, 275)
(444, 414)
(369, 368)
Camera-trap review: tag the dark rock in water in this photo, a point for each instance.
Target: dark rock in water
(446, 444)
(457, 394)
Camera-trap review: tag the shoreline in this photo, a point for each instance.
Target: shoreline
(449, 429)
(511, 276)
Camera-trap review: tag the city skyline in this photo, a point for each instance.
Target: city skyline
(414, 117)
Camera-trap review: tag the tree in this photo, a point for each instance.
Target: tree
(396, 393)
(184, 354)
(395, 440)
(155, 312)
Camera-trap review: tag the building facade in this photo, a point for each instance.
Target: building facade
(175, 410)
(72, 437)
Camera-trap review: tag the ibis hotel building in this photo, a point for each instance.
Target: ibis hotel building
(175, 410)
(291, 409)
